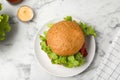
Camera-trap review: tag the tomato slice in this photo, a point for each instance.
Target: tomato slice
(83, 51)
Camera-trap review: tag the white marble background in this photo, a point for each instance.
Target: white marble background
(17, 57)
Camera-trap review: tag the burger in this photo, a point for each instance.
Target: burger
(64, 42)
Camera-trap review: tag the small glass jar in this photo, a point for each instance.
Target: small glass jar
(25, 13)
(14, 1)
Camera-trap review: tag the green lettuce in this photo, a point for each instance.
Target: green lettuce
(49, 24)
(4, 26)
(87, 29)
(68, 18)
(0, 6)
(67, 61)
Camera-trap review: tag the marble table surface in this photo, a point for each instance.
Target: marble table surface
(17, 57)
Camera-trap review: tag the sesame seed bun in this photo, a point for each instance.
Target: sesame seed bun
(65, 38)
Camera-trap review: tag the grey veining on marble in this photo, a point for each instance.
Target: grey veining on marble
(17, 57)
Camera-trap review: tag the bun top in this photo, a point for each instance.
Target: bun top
(65, 38)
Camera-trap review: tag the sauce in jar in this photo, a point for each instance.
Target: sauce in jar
(25, 13)
(14, 1)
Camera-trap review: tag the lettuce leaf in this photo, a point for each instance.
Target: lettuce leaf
(67, 61)
(68, 18)
(49, 24)
(4, 26)
(87, 29)
(0, 6)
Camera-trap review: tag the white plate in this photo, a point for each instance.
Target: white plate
(59, 70)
